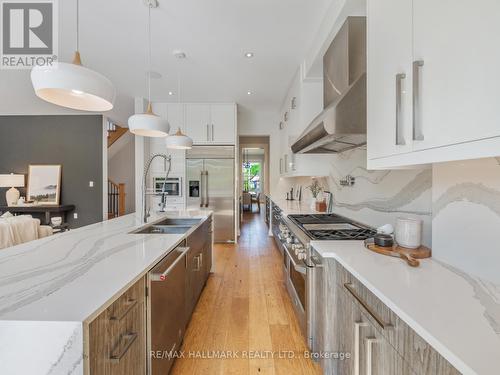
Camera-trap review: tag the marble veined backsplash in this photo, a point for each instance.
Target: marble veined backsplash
(466, 217)
(377, 197)
(380, 197)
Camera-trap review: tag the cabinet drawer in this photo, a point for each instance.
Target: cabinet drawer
(135, 295)
(117, 337)
(421, 357)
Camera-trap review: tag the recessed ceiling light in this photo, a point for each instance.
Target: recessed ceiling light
(248, 55)
(153, 75)
(249, 93)
(170, 93)
(179, 54)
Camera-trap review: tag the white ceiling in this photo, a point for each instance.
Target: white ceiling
(214, 34)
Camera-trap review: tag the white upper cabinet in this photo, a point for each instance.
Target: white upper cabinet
(444, 104)
(223, 123)
(389, 55)
(458, 83)
(198, 122)
(211, 123)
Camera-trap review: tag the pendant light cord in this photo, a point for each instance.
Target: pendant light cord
(149, 53)
(179, 87)
(78, 25)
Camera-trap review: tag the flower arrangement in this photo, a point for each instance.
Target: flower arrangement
(315, 188)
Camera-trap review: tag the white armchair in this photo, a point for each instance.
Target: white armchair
(15, 230)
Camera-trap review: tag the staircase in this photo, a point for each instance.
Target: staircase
(114, 132)
(116, 199)
(116, 191)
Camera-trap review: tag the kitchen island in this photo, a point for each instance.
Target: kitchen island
(50, 289)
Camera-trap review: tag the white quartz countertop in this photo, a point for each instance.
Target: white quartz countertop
(69, 276)
(294, 207)
(454, 312)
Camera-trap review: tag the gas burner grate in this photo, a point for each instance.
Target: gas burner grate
(318, 219)
(350, 234)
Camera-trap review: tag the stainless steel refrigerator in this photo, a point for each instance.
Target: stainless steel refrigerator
(210, 183)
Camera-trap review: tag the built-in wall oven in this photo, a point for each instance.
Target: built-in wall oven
(173, 186)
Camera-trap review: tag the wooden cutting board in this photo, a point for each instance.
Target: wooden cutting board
(411, 256)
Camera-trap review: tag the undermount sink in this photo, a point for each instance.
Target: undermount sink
(178, 221)
(163, 229)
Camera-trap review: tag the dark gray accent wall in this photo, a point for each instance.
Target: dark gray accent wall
(75, 142)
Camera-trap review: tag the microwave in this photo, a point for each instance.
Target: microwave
(173, 186)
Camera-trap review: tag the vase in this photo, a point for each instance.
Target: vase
(313, 204)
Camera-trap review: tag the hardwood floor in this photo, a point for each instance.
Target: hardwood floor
(245, 312)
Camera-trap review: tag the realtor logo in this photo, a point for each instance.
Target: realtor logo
(29, 33)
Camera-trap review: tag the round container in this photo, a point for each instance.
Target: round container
(409, 232)
(384, 240)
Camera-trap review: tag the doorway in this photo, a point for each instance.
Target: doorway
(253, 172)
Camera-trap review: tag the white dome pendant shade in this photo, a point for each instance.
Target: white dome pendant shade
(74, 86)
(179, 141)
(148, 124)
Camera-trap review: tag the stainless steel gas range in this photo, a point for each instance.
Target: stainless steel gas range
(303, 269)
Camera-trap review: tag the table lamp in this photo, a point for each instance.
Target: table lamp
(12, 180)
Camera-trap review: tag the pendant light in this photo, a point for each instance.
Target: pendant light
(149, 124)
(72, 85)
(179, 141)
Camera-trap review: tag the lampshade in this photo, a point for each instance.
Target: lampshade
(11, 180)
(148, 124)
(73, 86)
(179, 141)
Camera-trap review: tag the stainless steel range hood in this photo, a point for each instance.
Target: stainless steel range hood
(342, 123)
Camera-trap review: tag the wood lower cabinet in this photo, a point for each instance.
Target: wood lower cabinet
(117, 337)
(199, 262)
(357, 324)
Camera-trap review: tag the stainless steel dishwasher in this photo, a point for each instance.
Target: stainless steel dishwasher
(167, 308)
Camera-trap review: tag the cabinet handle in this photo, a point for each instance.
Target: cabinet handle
(213, 137)
(201, 260)
(369, 352)
(373, 314)
(131, 303)
(357, 334)
(197, 264)
(418, 135)
(208, 138)
(286, 163)
(163, 275)
(130, 338)
(400, 140)
(281, 165)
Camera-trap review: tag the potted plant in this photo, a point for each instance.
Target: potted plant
(316, 191)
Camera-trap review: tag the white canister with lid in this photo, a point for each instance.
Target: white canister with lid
(409, 232)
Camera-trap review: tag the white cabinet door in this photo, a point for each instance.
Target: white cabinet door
(198, 122)
(223, 123)
(389, 53)
(459, 80)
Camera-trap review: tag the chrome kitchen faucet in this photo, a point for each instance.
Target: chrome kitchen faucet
(145, 209)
